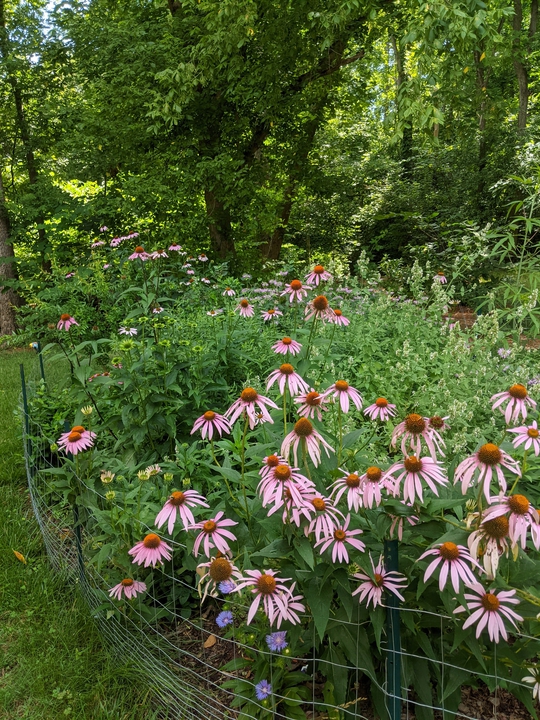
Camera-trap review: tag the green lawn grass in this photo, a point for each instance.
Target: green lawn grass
(53, 663)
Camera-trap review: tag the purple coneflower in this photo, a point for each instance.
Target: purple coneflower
(317, 275)
(518, 399)
(304, 431)
(150, 551)
(371, 484)
(319, 308)
(97, 244)
(175, 248)
(489, 542)
(127, 331)
(218, 571)
(157, 310)
(127, 587)
(213, 313)
(414, 470)
(277, 641)
(285, 375)
(209, 422)
(203, 258)
(344, 392)
(527, 434)
(311, 404)
(269, 463)
(276, 597)
(453, 561)
(157, 254)
(296, 291)
(327, 517)
(338, 318)
(213, 533)
(397, 522)
(381, 409)
(487, 459)
(247, 402)
(139, 254)
(271, 314)
(180, 502)
(229, 292)
(372, 588)
(76, 440)
(287, 345)
(205, 280)
(489, 610)
(246, 309)
(350, 484)
(521, 516)
(412, 430)
(338, 539)
(66, 321)
(295, 499)
(440, 277)
(103, 228)
(534, 680)
(280, 477)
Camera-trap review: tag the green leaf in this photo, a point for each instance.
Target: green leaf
(319, 597)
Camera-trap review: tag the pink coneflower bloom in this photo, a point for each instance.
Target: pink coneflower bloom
(203, 258)
(521, 516)
(304, 431)
(319, 308)
(139, 254)
(413, 429)
(66, 321)
(246, 310)
(97, 244)
(518, 399)
(371, 484)
(106, 266)
(317, 275)
(180, 502)
(453, 560)
(150, 551)
(286, 345)
(344, 392)
(338, 318)
(527, 434)
(270, 463)
(115, 242)
(487, 459)
(175, 248)
(440, 277)
(127, 587)
(295, 499)
(206, 281)
(311, 404)
(213, 313)
(158, 254)
(76, 440)
(372, 588)
(339, 538)
(158, 310)
(229, 292)
(190, 272)
(217, 570)
(272, 314)
(489, 543)
(327, 518)
(489, 611)
(350, 484)
(436, 424)
(296, 291)
(278, 600)
(276, 478)
(127, 331)
(247, 402)
(397, 521)
(185, 266)
(286, 375)
(414, 471)
(381, 409)
(210, 421)
(213, 533)
(103, 228)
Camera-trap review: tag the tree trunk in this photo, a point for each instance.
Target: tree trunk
(219, 218)
(519, 66)
(481, 86)
(8, 297)
(406, 151)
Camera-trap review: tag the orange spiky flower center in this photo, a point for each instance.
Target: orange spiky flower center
(282, 472)
(303, 428)
(378, 579)
(449, 551)
(244, 303)
(271, 311)
(490, 602)
(320, 303)
(78, 429)
(266, 584)
(342, 385)
(272, 461)
(286, 340)
(497, 528)
(152, 541)
(415, 424)
(296, 285)
(489, 454)
(352, 480)
(531, 432)
(318, 504)
(209, 527)
(412, 464)
(65, 316)
(436, 422)
(337, 312)
(519, 504)
(318, 269)
(286, 369)
(518, 391)
(340, 535)
(177, 498)
(373, 473)
(209, 415)
(249, 394)
(381, 402)
(220, 569)
(139, 249)
(74, 436)
(127, 582)
(313, 399)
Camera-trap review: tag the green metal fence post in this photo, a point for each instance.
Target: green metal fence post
(394, 636)
(41, 367)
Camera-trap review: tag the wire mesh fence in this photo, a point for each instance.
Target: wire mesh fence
(184, 658)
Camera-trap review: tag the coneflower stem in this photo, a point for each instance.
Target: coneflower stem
(308, 351)
(304, 457)
(285, 409)
(243, 456)
(327, 351)
(340, 428)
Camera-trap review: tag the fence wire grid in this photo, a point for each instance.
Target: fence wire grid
(180, 674)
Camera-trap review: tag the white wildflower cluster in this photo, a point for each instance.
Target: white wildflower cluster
(362, 266)
(416, 280)
(487, 326)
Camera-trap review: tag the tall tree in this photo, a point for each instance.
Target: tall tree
(8, 297)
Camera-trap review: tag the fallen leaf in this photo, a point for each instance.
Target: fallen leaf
(210, 641)
(19, 556)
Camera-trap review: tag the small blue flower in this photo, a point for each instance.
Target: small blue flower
(276, 641)
(263, 690)
(224, 618)
(227, 586)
